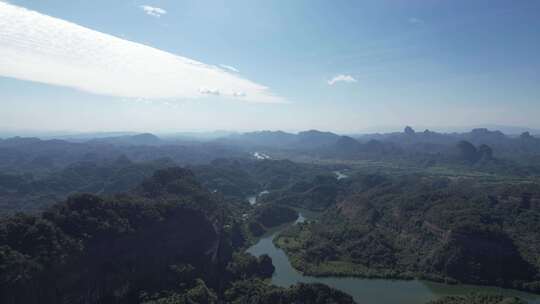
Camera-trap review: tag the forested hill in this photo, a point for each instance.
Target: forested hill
(417, 226)
(91, 248)
(167, 241)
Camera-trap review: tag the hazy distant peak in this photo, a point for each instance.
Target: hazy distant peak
(142, 139)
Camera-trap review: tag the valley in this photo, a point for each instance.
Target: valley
(377, 227)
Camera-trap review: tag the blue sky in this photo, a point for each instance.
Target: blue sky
(435, 63)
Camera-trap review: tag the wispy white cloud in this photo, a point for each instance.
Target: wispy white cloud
(239, 94)
(414, 20)
(44, 49)
(153, 11)
(210, 91)
(229, 67)
(341, 78)
(217, 92)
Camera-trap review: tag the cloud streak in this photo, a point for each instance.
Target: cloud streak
(153, 11)
(49, 50)
(229, 67)
(341, 78)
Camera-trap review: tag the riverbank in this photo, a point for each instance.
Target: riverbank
(292, 246)
(370, 291)
(293, 242)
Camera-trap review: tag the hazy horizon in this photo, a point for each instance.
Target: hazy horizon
(6, 133)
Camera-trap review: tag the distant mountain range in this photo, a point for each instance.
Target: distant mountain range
(211, 135)
(312, 143)
(144, 139)
(508, 130)
(305, 139)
